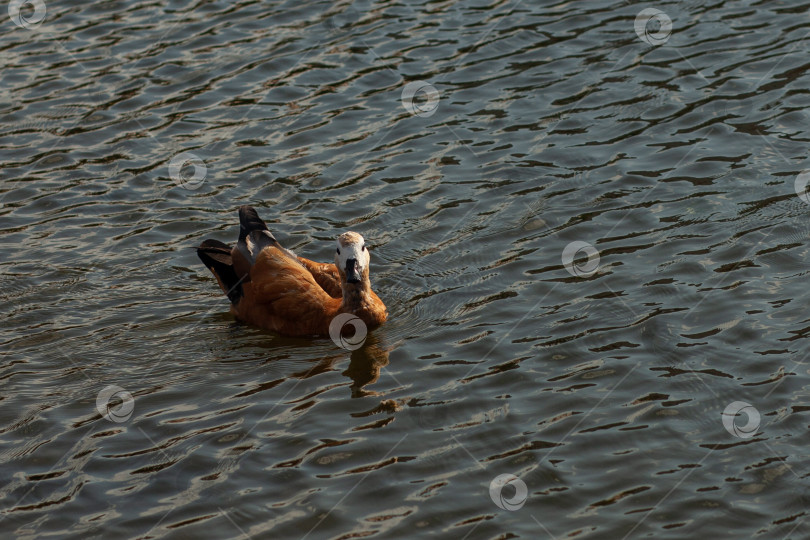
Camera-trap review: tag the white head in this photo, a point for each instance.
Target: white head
(352, 257)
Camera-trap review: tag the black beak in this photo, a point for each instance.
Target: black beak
(352, 275)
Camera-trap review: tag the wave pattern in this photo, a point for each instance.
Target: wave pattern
(604, 391)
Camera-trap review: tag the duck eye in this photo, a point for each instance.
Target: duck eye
(364, 247)
(338, 250)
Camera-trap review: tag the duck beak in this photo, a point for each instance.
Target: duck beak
(352, 271)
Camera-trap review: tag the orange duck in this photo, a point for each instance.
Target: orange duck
(271, 287)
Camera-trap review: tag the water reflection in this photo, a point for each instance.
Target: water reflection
(365, 365)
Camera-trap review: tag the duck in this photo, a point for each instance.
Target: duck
(271, 287)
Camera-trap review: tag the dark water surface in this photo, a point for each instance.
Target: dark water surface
(536, 125)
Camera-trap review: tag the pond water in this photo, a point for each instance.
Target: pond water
(588, 221)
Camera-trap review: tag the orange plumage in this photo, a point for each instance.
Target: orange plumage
(269, 286)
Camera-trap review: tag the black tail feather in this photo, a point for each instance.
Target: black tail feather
(217, 257)
(249, 221)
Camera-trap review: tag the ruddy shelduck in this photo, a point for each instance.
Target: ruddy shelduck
(271, 287)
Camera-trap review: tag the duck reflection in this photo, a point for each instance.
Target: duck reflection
(365, 365)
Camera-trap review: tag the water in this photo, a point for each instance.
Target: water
(675, 164)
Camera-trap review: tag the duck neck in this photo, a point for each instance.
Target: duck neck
(355, 296)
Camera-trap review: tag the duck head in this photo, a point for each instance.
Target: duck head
(352, 258)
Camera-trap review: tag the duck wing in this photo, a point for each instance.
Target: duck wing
(217, 257)
(282, 295)
(254, 236)
(326, 275)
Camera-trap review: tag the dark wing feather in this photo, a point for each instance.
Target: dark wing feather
(217, 257)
